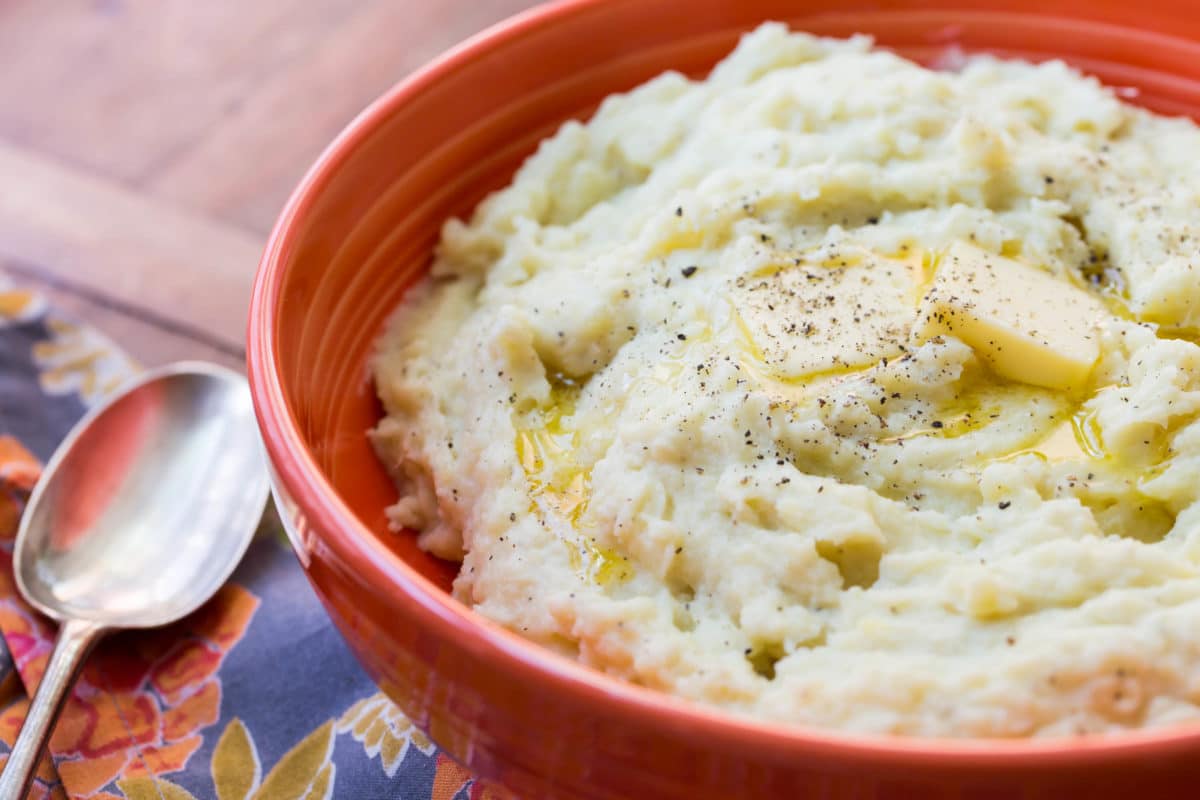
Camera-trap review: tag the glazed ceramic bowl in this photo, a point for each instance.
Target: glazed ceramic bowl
(359, 230)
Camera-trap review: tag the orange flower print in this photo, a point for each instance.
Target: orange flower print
(142, 701)
(451, 778)
(18, 473)
(189, 664)
(198, 711)
(18, 467)
(18, 305)
(46, 784)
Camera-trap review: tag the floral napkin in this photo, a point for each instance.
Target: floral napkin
(254, 697)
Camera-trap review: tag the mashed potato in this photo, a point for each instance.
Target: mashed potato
(830, 390)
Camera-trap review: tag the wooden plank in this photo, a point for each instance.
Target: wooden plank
(243, 170)
(152, 108)
(150, 341)
(121, 86)
(95, 234)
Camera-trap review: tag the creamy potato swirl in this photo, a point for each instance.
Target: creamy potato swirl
(832, 390)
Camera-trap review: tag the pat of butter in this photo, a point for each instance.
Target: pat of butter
(1027, 325)
(837, 314)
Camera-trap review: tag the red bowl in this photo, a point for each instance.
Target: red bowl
(359, 230)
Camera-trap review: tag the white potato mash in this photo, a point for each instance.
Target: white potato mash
(831, 390)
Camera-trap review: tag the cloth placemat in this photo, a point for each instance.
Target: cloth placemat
(254, 697)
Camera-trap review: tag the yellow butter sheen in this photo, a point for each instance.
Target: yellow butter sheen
(1027, 325)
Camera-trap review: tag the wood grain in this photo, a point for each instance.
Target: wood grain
(149, 340)
(146, 146)
(243, 170)
(88, 231)
(121, 86)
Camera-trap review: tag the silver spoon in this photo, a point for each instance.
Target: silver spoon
(140, 516)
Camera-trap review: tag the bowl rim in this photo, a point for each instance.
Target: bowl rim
(340, 530)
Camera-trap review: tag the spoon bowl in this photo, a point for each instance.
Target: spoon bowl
(141, 509)
(144, 511)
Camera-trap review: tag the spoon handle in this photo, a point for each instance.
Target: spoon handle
(75, 639)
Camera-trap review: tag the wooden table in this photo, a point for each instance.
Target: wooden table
(146, 146)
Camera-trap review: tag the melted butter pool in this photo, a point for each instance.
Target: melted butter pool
(560, 487)
(547, 442)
